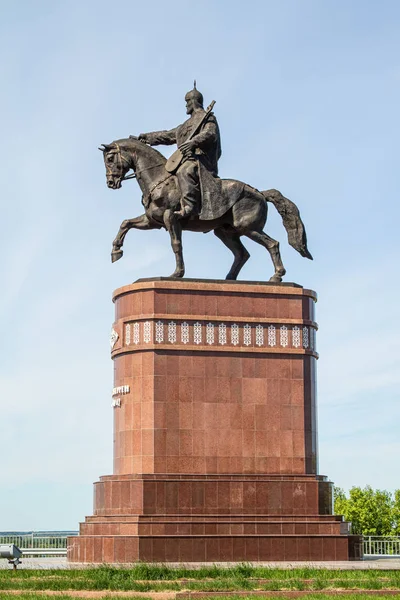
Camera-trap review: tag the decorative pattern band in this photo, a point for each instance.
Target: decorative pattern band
(207, 333)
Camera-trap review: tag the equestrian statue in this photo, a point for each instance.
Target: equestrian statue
(185, 192)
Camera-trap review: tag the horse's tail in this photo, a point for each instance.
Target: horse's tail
(292, 222)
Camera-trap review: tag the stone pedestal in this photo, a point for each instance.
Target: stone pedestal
(215, 430)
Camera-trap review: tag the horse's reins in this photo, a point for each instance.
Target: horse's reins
(135, 175)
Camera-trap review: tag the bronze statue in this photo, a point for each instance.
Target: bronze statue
(199, 146)
(185, 192)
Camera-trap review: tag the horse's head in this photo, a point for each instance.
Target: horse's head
(118, 161)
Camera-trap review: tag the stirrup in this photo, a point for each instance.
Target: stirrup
(184, 212)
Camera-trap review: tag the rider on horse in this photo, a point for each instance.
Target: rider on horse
(204, 148)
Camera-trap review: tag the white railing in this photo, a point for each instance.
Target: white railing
(375, 545)
(38, 543)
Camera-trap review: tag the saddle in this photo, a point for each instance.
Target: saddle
(217, 195)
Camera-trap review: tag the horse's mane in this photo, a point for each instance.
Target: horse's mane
(144, 148)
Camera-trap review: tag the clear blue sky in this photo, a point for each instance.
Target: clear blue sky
(307, 100)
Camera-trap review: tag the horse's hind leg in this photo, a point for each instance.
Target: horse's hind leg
(231, 239)
(273, 248)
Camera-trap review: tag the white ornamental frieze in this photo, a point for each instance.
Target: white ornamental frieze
(306, 340)
(185, 333)
(234, 334)
(197, 333)
(159, 332)
(210, 334)
(222, 340)
(136, 333)
(172, 332)
(127, 334)
(296, 337)
(271, 335)
(113, 338)
(259, 335)
(147, 332)
(247, 335)
(284, 336)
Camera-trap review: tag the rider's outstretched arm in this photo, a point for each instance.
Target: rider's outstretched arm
(155, 138)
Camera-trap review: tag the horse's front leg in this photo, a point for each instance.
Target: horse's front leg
(141, 222)
(174, 229)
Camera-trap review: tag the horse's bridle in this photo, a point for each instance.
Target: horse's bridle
(121, 158)
(147, 197)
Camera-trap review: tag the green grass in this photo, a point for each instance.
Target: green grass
(146, 572)
(35, 596)
(310, 597)
(145, 578)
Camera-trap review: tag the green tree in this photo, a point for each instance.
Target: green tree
(340, 501)
(371, 512)
(396, 513)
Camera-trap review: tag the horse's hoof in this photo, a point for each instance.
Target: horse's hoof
(275, 278)
(116, 255)
(178, 274)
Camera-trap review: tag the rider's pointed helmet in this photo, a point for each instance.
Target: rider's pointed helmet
(195, 94)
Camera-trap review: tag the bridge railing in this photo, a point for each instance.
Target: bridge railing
(38, 543)
(375, 545)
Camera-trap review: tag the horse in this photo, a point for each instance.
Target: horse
(161, 199)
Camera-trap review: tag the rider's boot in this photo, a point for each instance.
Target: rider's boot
(186, 210)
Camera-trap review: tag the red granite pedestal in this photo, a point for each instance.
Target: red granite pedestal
(215, 430)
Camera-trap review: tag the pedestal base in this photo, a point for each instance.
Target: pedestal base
(178, 518)
(215, 430)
